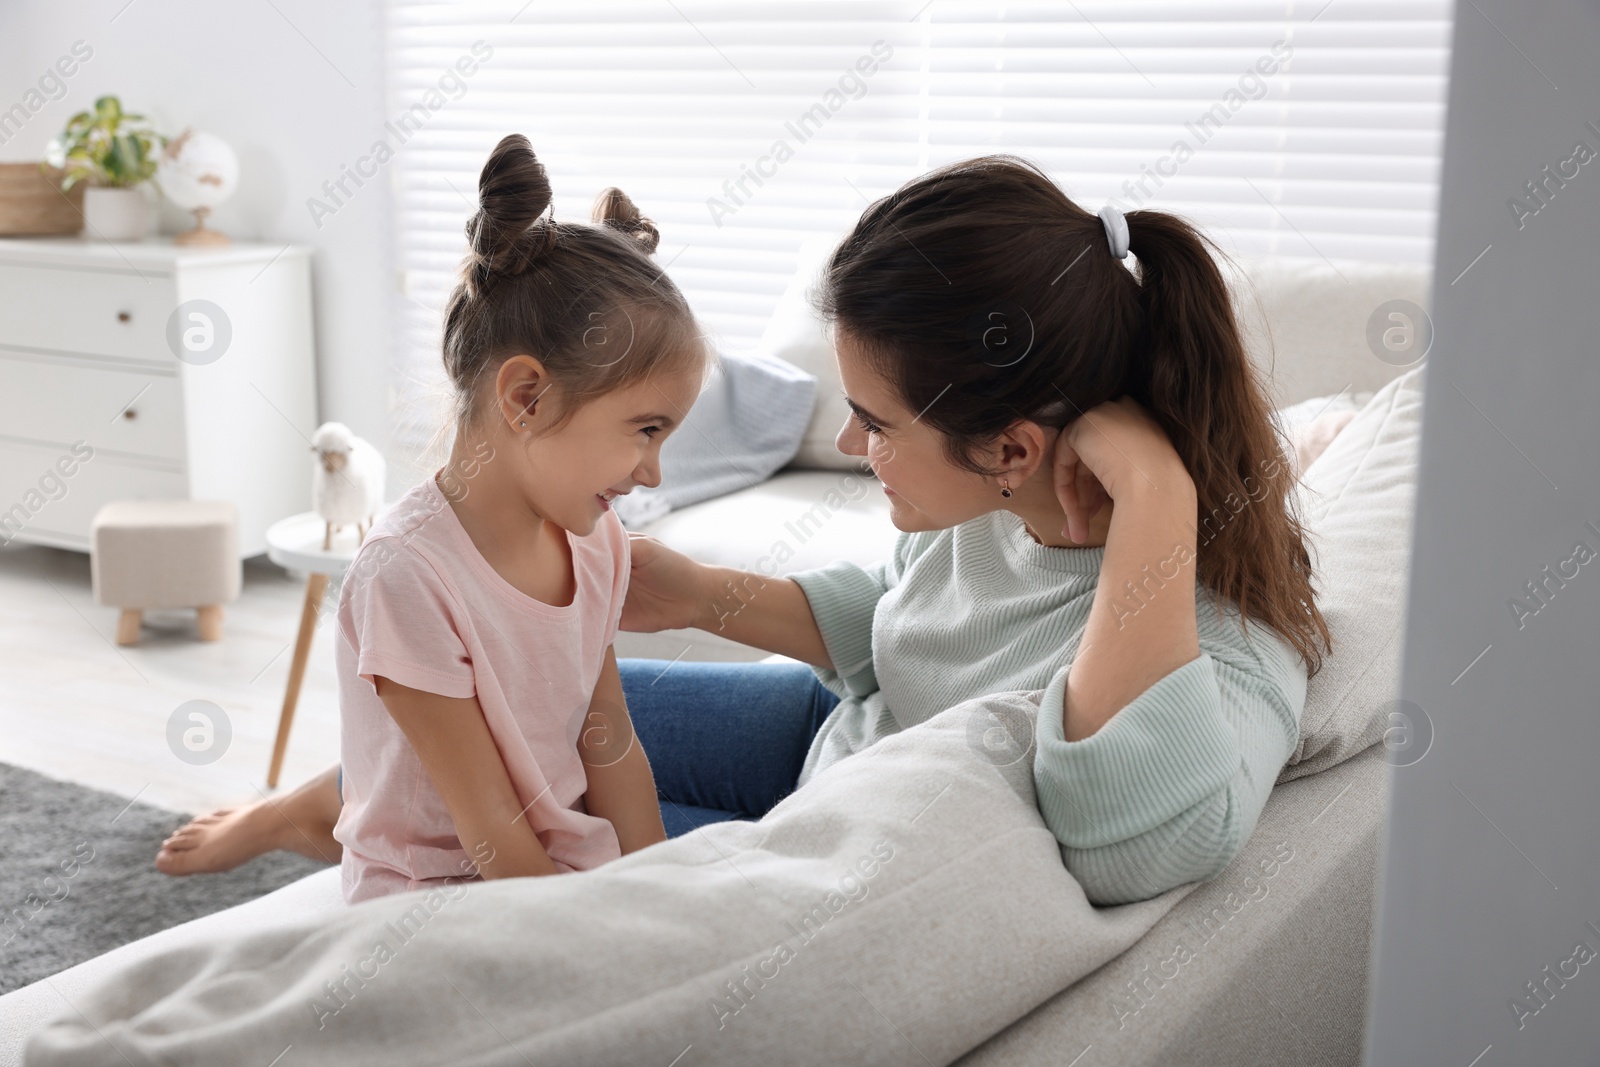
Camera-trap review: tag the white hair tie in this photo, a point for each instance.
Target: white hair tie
(1116, 225)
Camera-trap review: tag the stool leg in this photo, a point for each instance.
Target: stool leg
(210, 622)
(316, 586)
(128, 626)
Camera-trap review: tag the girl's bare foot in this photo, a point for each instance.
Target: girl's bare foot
(300, 821)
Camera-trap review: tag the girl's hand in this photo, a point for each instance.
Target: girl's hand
(1112, 452)
(665, 588)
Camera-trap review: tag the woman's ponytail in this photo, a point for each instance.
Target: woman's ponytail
(1193, 374)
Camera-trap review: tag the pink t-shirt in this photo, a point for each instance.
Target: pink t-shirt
(421, 606)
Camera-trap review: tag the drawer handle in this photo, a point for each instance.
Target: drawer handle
(130, 414)
(124, 316)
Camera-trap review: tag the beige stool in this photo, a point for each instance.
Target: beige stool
(166, 554)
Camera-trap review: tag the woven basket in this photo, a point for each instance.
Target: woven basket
(32, 204)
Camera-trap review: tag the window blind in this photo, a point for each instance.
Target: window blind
(1304, 130)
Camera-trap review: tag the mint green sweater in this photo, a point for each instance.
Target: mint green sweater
(1166, 792)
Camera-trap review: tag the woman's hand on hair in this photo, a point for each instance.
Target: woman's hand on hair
(1113, 452)
(1117, 451)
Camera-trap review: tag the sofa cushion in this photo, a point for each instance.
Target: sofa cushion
(795, 334)
(1307, 428)
(793, 521)
(1319, 338)
(1356, 500)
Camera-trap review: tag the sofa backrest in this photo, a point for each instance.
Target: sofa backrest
(1312, 328)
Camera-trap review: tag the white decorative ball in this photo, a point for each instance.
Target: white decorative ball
(197, 170)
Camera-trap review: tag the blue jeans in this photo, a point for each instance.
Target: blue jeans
(725, 740)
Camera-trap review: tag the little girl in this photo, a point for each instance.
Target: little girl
(484, 730)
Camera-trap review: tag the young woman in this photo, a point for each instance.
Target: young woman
(1093, 502)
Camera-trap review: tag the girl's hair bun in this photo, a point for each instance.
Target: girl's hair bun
(513, 192)
(556, 290)
(613, 208)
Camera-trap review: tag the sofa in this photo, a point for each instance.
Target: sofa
(973, 946)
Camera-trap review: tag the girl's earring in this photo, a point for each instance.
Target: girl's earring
(1005, 490)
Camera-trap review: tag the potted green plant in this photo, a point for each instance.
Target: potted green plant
(115, 152)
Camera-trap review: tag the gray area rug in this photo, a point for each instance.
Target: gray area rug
(78, 878)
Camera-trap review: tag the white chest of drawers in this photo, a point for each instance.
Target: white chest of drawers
(112, 388)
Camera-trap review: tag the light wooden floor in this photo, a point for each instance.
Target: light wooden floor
(74, 705)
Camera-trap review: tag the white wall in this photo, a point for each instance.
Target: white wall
(296, 94)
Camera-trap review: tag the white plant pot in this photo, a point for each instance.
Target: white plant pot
(115, 214)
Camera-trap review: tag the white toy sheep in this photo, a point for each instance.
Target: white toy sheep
(347, 482)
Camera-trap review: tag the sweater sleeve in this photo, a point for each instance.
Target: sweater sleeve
(844, 597)
(1170, 788)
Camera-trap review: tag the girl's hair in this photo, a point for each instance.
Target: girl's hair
(586, 301)
(981, 283)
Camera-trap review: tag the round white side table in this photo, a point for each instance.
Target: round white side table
(295, 543)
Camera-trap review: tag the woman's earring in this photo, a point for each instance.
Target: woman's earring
(1005, 490)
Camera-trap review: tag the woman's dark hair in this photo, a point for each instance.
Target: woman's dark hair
(585, 300)
(984, 284)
